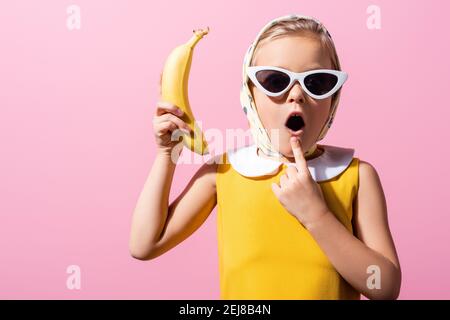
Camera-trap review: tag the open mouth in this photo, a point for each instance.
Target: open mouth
(295, 122)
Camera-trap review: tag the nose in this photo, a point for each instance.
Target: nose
(296, 93)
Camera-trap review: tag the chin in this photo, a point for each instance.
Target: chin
(287, 148)
(283, 143)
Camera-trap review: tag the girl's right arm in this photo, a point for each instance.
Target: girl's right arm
(156, 226)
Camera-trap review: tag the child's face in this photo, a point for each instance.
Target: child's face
(296, 53)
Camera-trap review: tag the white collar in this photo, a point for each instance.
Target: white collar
(329, 164)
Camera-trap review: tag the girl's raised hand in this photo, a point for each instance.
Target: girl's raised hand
(298, 192)
(166, 122)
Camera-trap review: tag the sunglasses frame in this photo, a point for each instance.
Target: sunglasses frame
(300, 77)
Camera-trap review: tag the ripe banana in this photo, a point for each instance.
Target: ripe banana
(174, 89)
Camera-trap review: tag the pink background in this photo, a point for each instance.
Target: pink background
(76, 140)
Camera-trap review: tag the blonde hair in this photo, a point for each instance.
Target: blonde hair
(309, 28)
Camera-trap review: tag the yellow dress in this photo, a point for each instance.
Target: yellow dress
(264, 252)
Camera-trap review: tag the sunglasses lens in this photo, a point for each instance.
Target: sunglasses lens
(272, 80)
(320, 83)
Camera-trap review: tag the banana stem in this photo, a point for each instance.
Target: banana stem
(198, 34)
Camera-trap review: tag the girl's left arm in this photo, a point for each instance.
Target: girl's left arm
(371, 250)
(355, 257)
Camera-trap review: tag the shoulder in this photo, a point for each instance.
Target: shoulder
(370, 190)
(369, 207)
(208, 170)
(367, 172)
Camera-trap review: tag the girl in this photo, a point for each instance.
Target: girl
(296, 219)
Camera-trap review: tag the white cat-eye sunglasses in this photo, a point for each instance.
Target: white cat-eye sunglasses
(275, 81)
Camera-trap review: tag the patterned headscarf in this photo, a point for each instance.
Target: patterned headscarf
(259, 133)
